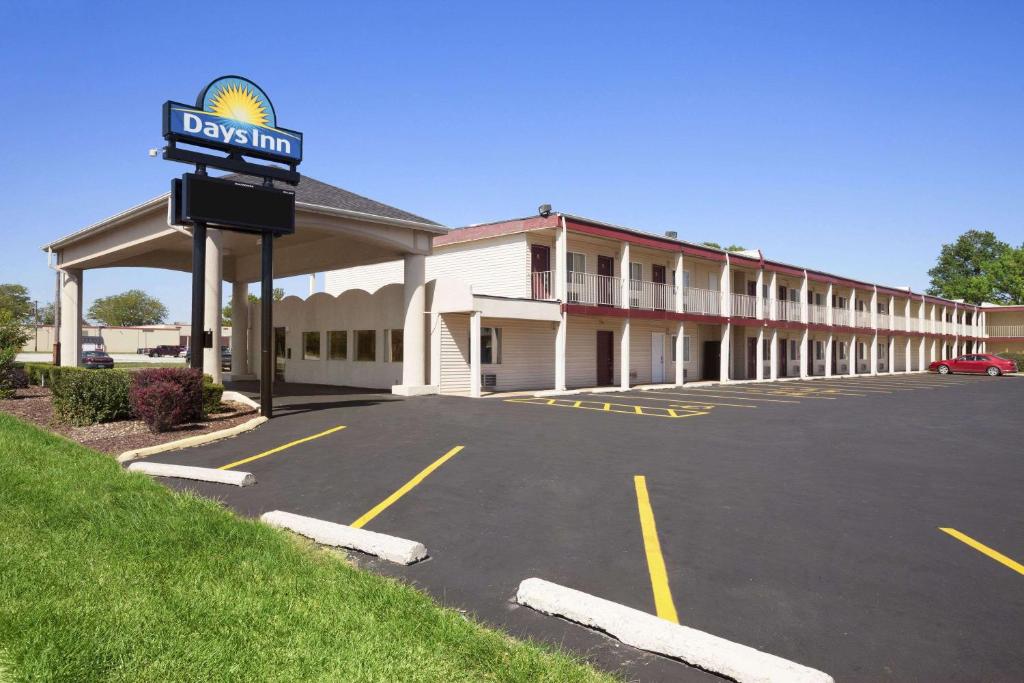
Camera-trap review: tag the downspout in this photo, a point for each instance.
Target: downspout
(56, 307)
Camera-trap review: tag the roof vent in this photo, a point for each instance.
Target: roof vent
(672, 234)
(544, 210)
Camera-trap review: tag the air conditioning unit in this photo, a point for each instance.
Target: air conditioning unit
(488, 381)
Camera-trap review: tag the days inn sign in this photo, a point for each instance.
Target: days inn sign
(233, 114)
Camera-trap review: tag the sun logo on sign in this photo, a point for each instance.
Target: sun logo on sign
(239, 102)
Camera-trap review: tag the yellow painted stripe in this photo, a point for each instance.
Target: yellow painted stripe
(675, 400)
(408, 486)
(985, 550)
(695, 394)
(281, 448)
(663, 603)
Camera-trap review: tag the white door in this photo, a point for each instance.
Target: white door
(657, 357)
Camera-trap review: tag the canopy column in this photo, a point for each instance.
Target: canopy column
(71, 317)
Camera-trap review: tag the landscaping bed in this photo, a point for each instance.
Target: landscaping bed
(35, 404)
(109, 576)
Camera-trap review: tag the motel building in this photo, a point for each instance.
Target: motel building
(548, 302)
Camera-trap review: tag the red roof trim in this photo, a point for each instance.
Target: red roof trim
(612, 233)
(785, 270)
(692, 250)
(478, 232)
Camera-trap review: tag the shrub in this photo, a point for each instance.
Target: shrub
(84, 397)
(212, 394)
(8, 370)
(160, 404)
(190, 381)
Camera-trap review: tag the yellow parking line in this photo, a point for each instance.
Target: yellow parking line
(694, 393)
(280, 448)
(675, 400)
(408, 486)
(663, 603)
(984, 549)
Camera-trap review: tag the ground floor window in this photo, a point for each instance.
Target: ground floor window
(366, 345)
(860, 350)
(311, 345)
(792, 349)
(337, 344)
(394, 345)
(842, 350)
(490, 346)
(881, 351)
(819, 350)
(686, 347)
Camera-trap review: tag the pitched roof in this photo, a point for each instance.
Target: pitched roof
(312, 191)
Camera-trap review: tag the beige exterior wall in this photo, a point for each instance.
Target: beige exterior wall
(527, 355)
(117, 339)
(581, 349)
(454, 353)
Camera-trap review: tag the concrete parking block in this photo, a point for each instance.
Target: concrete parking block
(390, 548)
(157, 469)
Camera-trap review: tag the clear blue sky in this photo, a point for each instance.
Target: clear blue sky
(852, 137)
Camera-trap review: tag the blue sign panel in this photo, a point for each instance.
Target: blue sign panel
(233, 114)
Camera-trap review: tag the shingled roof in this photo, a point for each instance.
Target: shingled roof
(312, 191)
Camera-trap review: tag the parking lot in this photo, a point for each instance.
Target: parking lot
(867, 527)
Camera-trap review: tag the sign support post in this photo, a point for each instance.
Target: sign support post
(198, 295)
(267, 350)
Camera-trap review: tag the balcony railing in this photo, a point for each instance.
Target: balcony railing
(1005, 330)
(899, 323)
(787, 310)
(593, 290)
(704, 301)
(652, 296)
(818, 314)
(884, 321)
(540, 286)
(841, 317)
(863, 318)
(744, 306)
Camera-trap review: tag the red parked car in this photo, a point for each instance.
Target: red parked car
(977, 363)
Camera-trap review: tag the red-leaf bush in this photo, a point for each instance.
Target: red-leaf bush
(150, 406)
(161, 405)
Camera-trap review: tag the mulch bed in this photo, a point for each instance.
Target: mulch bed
(34, 405)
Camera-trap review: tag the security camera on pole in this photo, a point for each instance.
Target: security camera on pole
(233, 115)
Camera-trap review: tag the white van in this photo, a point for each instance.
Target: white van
(92, 344)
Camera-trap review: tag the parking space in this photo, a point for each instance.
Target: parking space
(867, 527)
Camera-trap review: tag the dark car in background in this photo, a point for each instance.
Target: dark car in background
(225, 358)
(165, 350)
(975, 363)
(97, 360)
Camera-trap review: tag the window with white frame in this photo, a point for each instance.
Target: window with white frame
(713, 282)
(819, 350)
(793, 349)
(576, 265)
(636, 271)
(686, 278)
(842, 350)
(881, 351)
(860, 350)
(490, 346)
(575, 262)
(686, 348)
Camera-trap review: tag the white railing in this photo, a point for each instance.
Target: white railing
(883, 321)
(541, 286)
(744, 306)
(899, 323)
(593, 290)
(705, 301)
(841, 317)
(787, 310)
(863, 318)
(1004, 330)
(818, 314)
(652, 296)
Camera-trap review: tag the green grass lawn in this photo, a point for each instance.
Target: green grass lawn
(109, 576)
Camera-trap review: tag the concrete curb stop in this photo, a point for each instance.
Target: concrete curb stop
(391, 548)
(158, 469)
(188, 442)
(651, 633)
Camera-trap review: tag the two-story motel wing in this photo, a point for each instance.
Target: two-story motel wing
(559, 301)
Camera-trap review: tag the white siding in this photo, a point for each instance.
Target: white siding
(455, 353)
(499, 266)
(901, 354)
(527, 355)
(581, 349)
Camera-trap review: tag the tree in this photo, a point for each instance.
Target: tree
(14, 298)
(130, 308)
(979, 267)
(731, 247)
(46, 315)
(225, 314)
(12, 338)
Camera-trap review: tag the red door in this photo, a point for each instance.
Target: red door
(540, 271)
(751, 357)
(605, 357)
(658, 276)
(605, 285)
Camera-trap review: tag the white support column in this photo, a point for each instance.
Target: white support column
(773, 295)
(804, 355)
(678, 282)
(874, 309)
(558, 270)
(851, 306)
(908, 364)
(474, 353)
(892, 313)
(624, 355)
(624, 273)
(828, 349)
(773, 355)
(561, 333)
(805, 309)
(759, 372)
(414, 332)
(435, 350)
(239, 330)
(874, 353)
(726, 286)
(892, 353)
(726, 353)
(759, 301)
(214, 284)
(312, 284)
(680, 362)
(852, 355)
(71, 317)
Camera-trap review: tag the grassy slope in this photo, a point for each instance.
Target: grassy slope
(110, 576)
